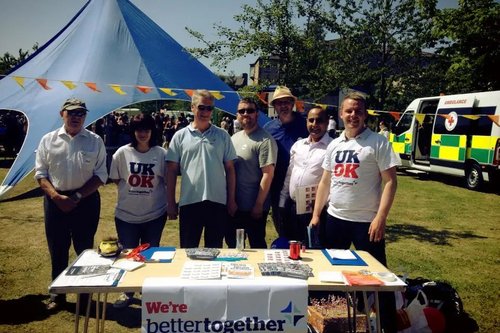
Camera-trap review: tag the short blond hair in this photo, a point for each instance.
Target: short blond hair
(354, 95)
(200, 94)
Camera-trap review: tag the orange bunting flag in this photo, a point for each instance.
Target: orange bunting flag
(190, 92)
(43, 83)
(495, 119)
(217, 94)
(69, 84)
(395, 114)
(372, 113)
(19, 80)
(117, 88)
(92, 86)
(446, 116)
(300, 106)
(168, 91)
(145, 90)
(420, 118)
(471, 117)
(262, 97)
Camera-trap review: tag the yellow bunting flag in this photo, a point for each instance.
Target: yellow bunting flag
(395, 114)
(144, 89)
(92, 86)
(495, 119)
(117, 88)
(324, 106)
(420, 118)
(217, 94)
(43, 83)
(168, 91)
(372, 113)
(262, 97)
(471, 117)
(300, 106)
(19, 80)
(190, 92)
(69, 84)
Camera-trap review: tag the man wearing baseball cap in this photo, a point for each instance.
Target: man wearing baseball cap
(70, 165)
(286, 130)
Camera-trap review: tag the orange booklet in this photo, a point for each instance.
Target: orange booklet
(358, 279)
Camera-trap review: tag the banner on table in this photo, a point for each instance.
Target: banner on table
(266, 304)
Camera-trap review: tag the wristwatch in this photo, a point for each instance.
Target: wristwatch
(78, 195)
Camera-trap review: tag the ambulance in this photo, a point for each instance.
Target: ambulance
(451, 135)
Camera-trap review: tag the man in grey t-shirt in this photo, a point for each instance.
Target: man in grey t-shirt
(257, 152)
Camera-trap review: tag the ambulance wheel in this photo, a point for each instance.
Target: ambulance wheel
(474, 177)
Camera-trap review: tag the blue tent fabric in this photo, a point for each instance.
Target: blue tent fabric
(107, 42)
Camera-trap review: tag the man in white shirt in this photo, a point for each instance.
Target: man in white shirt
(332, 124)
(70, 165)
(305, 169)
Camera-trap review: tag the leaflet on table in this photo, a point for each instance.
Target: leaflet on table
(112, 276)
(92, 258)
(279, 256)
(304, 198)
(237, 270)
(201, 270)
(128, 265)
(332, 277)
(341, 254)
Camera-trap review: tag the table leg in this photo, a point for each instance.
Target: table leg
(103, 319)
(77, 313)
(87, 314)
(377, 307)
(367, 312)
(348, 311)
(97, 313)
(354, 309)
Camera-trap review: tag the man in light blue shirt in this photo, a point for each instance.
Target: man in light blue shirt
(204, 155)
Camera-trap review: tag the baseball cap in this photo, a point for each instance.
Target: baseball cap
(74, 104)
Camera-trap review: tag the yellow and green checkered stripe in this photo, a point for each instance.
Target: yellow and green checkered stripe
(482, 148)
(449, 147)
(399, 143)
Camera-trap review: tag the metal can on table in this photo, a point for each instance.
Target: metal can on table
(294, 249)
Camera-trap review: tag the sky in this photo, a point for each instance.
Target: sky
(26, 22)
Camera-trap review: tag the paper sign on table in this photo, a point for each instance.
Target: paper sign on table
(163, 255)
(341, 254)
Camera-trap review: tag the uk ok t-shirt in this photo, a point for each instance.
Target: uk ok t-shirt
(356, 165)
(142, 195)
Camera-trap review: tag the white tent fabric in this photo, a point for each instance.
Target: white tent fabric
(107, 42)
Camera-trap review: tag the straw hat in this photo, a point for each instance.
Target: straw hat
(282, 92)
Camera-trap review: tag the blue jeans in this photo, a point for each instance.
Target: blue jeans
(133, 234)
(339, 235)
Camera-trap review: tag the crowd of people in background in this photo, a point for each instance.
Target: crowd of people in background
(13, 129)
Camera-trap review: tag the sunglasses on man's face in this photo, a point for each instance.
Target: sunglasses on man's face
(249, 111)
(77, 113)
(205, 107)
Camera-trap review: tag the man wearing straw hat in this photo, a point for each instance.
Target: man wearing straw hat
(286, 130)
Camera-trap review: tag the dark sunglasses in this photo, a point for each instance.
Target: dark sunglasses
(77, 113)
(249, 111)
(205, 107)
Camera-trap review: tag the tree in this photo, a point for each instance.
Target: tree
(9, 61)
(470, 41)
(380, 48)
(288, 30)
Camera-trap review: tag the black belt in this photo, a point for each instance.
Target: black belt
(66, 193)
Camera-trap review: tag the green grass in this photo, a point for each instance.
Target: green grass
(436, 229)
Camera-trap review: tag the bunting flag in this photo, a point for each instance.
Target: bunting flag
(495, 119)
(69, 84)
(117, 88)
(262, 97)
(372, 113)
(19, 80)
(420, 118)
(300, 106)
(143, 89)
(92, 86)
(43, 83)
(323, 106)
(217, 94)
(190, 92)
(471, 117)
(446, 116)
(168, 91)
(395, 114)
